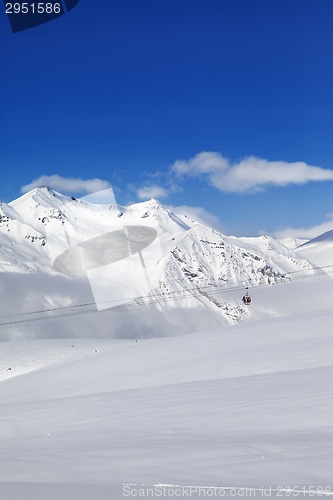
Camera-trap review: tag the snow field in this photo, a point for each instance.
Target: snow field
(247, 406)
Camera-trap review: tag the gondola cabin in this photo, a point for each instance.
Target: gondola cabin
(246, 298)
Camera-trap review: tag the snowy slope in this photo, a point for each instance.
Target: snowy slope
(251, 407)
(319, 250)
(292, 242)
(193, 268)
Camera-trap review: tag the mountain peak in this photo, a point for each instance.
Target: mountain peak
(40, 195)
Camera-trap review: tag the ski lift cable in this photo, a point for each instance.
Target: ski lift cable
(193, 292)
(128, 306)
(162, 295)
(186, 292)
(225, 287)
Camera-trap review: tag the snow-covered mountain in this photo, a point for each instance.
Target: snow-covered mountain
(194, 269)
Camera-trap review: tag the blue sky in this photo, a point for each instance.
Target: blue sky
(225, 105)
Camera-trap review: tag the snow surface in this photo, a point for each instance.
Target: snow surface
(249, 407)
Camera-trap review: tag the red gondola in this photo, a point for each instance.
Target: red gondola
(246, 298)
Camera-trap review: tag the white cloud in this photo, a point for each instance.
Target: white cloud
(153, 191)
(67, 184)
(250, 174)
(198, 214)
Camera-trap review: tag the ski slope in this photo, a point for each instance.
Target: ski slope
(248, 406)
